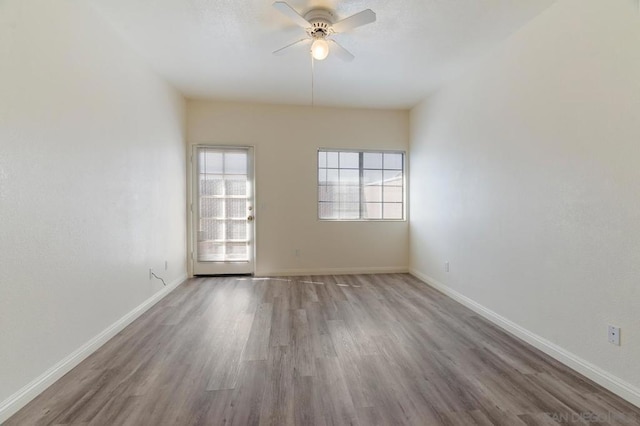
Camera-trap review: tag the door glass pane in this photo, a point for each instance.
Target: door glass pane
(237, 251)
(209, 251)
(211, 162)
(236, 208)
(223, 230)
(236, 185)
(236, 230)
(211, 185)
(211, 229)
(235, 163)
(211, 208)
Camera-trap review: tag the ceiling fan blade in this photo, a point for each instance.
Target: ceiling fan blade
(284, 50)
(359, 19)
(291, 13)
(341, 52)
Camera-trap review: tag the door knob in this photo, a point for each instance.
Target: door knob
(250, 218)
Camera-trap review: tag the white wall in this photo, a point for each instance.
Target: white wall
(526, 177)
(286, 140)
(92, 188)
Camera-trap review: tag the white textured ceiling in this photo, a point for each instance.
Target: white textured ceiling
(221, 49)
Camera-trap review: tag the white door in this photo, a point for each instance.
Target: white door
(223, 210)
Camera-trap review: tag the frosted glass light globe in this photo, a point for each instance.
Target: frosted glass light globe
(319, 49)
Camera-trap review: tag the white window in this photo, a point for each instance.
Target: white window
(361, 185)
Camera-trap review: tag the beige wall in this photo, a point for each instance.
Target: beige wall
(92, 190)
(286, 140)
(525, 177)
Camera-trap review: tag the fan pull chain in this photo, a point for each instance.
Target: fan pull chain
(312, 80)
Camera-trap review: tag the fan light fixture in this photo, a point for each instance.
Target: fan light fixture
(320, 24)
(319, 49)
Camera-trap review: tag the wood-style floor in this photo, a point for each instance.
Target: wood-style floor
(329, 350)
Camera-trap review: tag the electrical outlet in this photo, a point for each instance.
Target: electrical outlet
(614, 335)
(446, 266)
(150, 273)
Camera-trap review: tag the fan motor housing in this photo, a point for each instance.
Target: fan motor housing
(321, 21)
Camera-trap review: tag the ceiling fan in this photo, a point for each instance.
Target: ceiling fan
(320, 26)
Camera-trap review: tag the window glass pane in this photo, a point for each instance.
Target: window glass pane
(332, 159)
(372, 176)
(392, 161)
(328, 193)
(211, 162)
(322, 159)
(328, 210)
(349, 177)
(392, 211)
(393, 194)
(350, 194)
(372, 193)
(332, 176)
(322, 176)
(235, 163)
(349, 160)
(393, 177)
(372, 211)
(349, 210)
(372, 160)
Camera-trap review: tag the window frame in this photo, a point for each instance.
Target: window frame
(361, 169)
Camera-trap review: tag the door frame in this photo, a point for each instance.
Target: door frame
(192, 199)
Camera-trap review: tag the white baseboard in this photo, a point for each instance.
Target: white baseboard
(334, 271)
(605, 379)
(15, 402)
